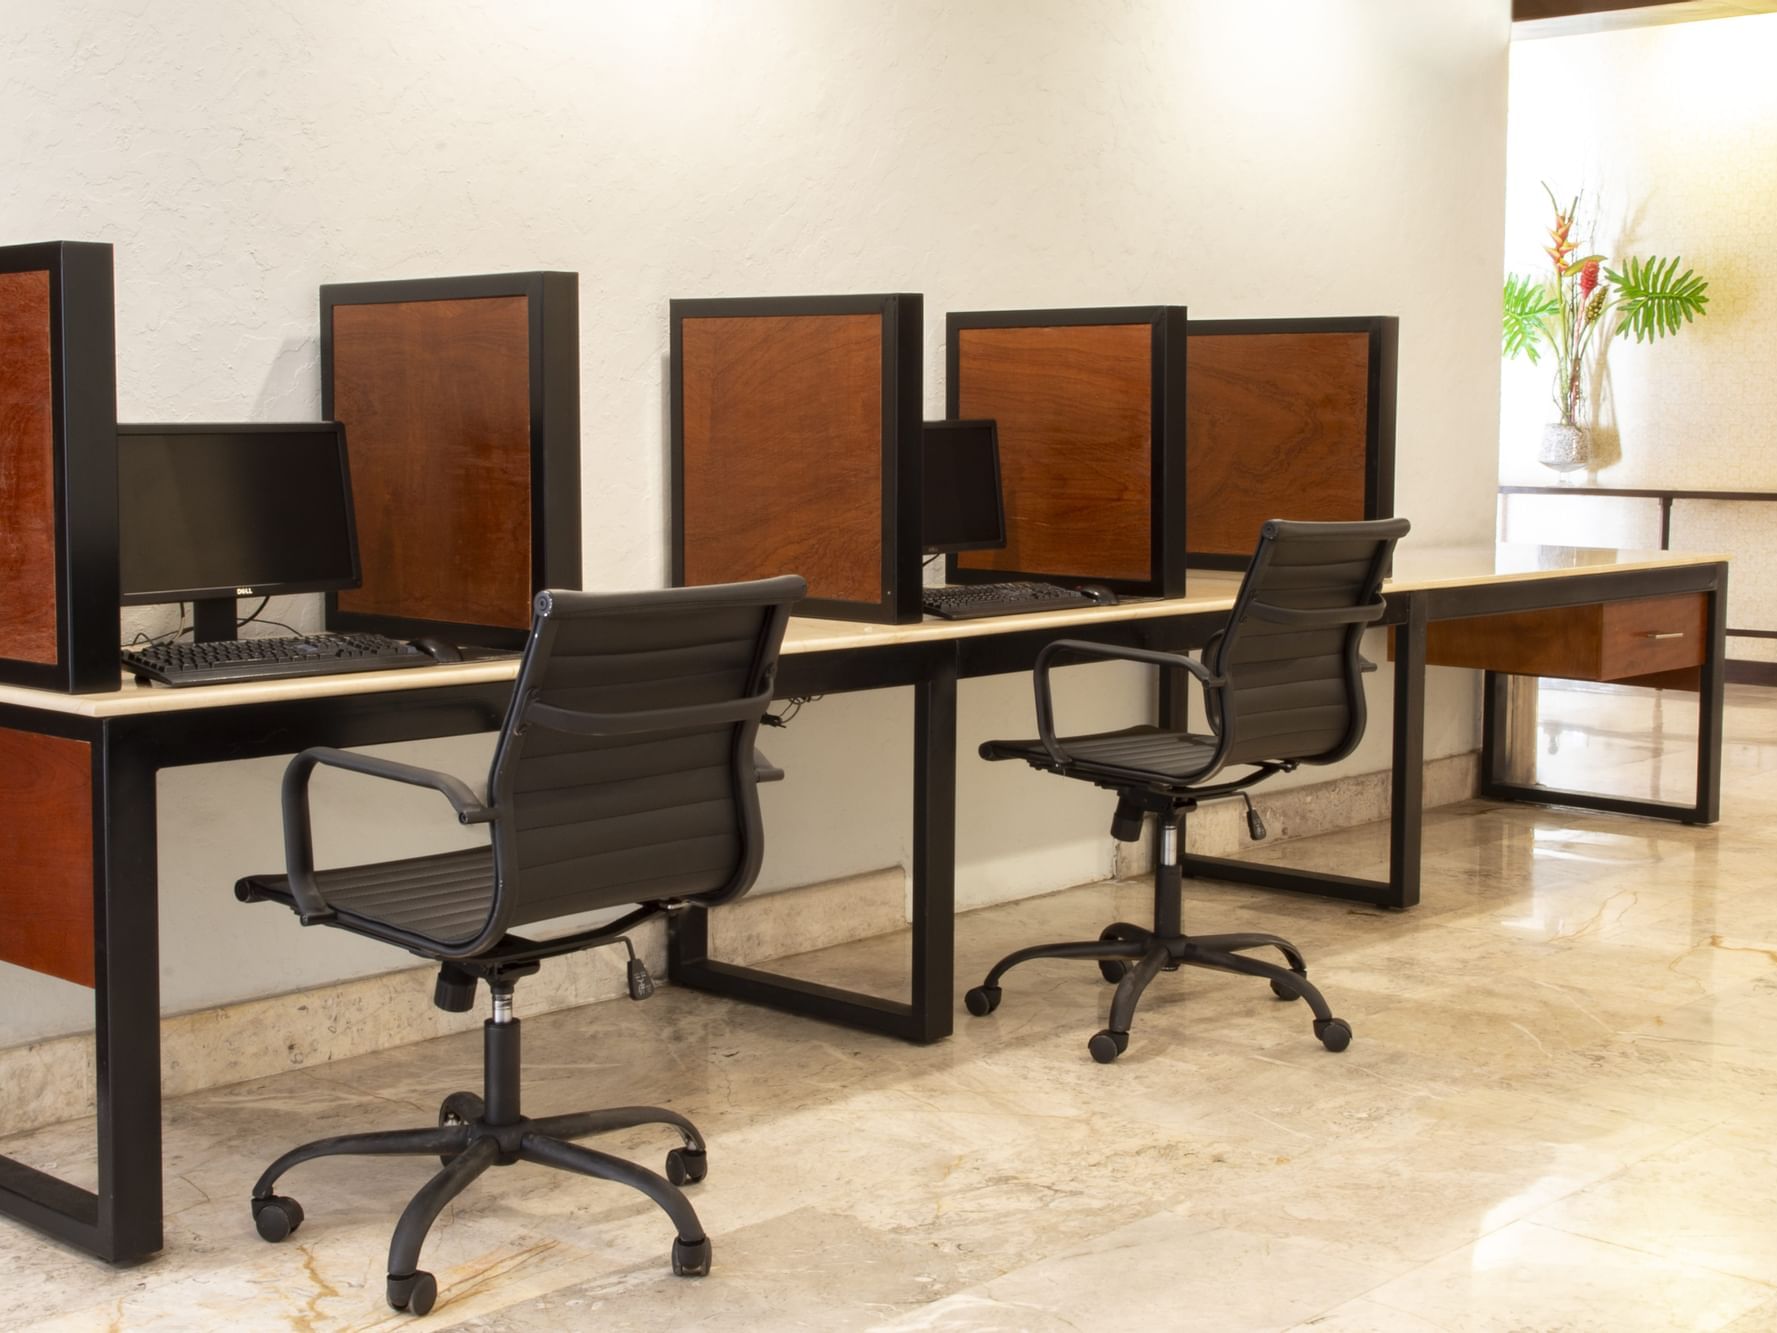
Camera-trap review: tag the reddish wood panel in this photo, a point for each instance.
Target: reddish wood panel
(46, 854)
(1075, 410)
(1651, 635)
(782, 451)
(1274, 428)
(1648, 640)
(27, 471)
(436, 401)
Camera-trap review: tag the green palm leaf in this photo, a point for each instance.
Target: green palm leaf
(1655, 298)
(1528, 304)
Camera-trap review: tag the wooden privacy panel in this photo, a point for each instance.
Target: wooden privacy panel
(1285, 419)
(435, 397)
(46, 854)
(783, 451)
(58, 467)
(1074, 407)
(795, 448)
(460, 399)
(1091, 437)
(27, 470)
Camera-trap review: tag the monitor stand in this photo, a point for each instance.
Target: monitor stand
(213, 619)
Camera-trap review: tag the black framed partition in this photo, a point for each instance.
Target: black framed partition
(1091, 411)
(460, 399)
(795, 447)
(58, 456)
(1285, 418)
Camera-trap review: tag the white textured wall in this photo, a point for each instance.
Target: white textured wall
(1671, 135)
(1274, 157)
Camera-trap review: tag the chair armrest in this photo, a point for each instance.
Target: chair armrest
(1101, 652)
(299, 851)
(764, 770)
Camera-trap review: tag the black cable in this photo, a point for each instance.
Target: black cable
(165, 637)
(258, 611)
(793, 706)
(263, 603)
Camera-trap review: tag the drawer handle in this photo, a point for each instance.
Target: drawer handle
(1663, 634)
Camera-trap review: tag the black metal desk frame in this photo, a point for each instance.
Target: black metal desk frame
(121, 1220)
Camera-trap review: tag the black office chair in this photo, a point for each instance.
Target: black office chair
(1282, 686)
(624, 774)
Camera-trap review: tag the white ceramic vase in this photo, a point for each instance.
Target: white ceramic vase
(1565, 448)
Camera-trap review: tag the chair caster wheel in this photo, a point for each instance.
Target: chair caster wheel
(275, 1217)
(1283, 992)
(460, 1108)
(691, 1258)
(1106, 1045)
(1334, 1033)
(413, 1293)
(982, 1000)
(687, 1166)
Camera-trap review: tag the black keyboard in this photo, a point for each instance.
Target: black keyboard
(965, 601)
(234, 660)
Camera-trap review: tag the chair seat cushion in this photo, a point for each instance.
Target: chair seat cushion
(447, 897)
(1176, 756)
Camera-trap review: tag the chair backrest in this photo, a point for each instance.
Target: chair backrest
(624, 771)
(1290, 649)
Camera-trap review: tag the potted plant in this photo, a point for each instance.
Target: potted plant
(1562, 310)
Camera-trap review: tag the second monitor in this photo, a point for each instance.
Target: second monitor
(963, 509)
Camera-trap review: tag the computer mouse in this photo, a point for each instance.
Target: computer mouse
(438, 649)
(1099, 593)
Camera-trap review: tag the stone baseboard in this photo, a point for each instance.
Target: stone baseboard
(48, 1081)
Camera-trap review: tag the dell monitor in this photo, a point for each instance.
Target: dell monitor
(963, 508)
(209, 513)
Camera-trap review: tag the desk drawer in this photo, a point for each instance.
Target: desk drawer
(1615, 641)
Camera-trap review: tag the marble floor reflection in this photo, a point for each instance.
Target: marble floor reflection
(1556, 1114)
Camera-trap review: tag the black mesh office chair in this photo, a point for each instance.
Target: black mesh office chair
(624, 774)
(1282, 686)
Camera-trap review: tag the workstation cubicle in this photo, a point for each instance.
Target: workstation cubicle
(1129, 459)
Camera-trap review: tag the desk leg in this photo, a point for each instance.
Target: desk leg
(928, 1016)
(1710, 693)
(934, 852)
(1406, 805)
(1711, 677)
(1406, 798)
(121, 1221)
(127, 931)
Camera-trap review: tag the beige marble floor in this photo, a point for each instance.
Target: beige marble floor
(1556, 1115)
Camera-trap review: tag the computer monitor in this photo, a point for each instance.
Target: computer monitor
(209, 513)
(963, 508)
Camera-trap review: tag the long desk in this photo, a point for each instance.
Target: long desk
(79, 844)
